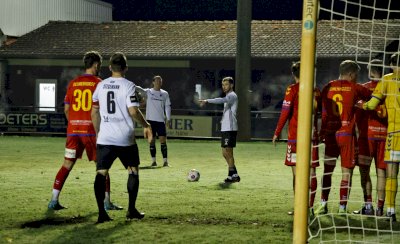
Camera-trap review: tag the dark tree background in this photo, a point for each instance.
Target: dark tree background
(226, 9)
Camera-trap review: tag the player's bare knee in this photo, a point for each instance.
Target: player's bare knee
(69, 164)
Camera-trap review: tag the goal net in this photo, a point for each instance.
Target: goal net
(361, 30)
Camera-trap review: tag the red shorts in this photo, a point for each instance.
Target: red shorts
(377, 149)
(75, 146)
(331, 146)
(348, 153)
(291, 156)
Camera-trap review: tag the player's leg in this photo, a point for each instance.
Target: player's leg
(228, 142)
(152, 145)
(348, 161)
(129, 157)
(392, 158)
(331, 154)
(293, 168)
(105, 157)
(379, 155)
(364, 163)
(162, 135)
(73, 151)
(313, 187)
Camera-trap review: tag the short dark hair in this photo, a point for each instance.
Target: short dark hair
(229, 78)
(118, 62)
(394, 59)
(90, 58)
(348, 66)
(296, 69)
(376, 65)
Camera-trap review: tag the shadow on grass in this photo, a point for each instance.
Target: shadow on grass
(150, 167)
(51, 219)
(224, 185)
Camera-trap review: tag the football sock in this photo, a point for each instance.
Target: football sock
(59, 181)
(313, 189)
(153, 151)
(344, 192)
(99, 191)
(133, 188)
(391, 190)
(368, 199)
(380, 203)
(327, 181)
(107, 191)
(164, 151)
(232, 171)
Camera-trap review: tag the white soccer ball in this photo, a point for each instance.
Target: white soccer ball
(193, 175)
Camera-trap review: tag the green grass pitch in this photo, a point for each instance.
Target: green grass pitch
(177, 211)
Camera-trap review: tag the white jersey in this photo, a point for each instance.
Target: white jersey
(229, 120)
(158, 104)
(115, 96)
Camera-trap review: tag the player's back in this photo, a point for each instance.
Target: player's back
(114, 95)
(79, 97)
(339, 98)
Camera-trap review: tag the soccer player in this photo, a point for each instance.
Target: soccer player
(338, 130)
(158, 114)
(115, 106)
(229, 126)
(80, 132)
(389, 90)
(290, 113)
(372, 128)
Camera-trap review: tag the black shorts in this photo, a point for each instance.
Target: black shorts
(158, 128)
(106, 154)
(228, 138)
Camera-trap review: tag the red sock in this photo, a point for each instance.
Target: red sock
(107, 183)
(368, 198)
(344, 192)
(313, 189)
(327, 181)
(61, 177)
(381, 203)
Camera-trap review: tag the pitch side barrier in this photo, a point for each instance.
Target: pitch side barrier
(192, 124)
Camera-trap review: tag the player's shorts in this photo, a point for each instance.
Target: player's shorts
(75, 145)
(377, 149)
(364, 153)
(228, 139)
(331, 147)
(348, 153)
(106, 154)
(158, 128)
(291, 156)
(392, 148)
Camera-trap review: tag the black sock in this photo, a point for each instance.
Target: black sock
(153, 150)
(99, 191)
(232, 171)
(133, 188)
(164, 150)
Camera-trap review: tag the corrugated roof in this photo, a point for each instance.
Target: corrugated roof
(198, 39)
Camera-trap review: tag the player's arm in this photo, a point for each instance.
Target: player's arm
(168, 111)
(141, 91)
(371, 104)
(137, 115)
(286, 110)
(96, 118)
(66, 110)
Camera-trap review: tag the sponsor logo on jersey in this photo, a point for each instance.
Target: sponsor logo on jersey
(133, 99)
(111, 119)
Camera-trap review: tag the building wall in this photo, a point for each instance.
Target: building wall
(18, 17)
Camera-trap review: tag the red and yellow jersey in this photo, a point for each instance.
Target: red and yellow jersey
(338, 106)
(79, 98)
(289, 112)
(389, 90)
(372, 124)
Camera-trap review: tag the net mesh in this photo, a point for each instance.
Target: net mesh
(366, 29)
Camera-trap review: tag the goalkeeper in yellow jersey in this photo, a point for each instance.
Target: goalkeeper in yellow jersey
(389, 90)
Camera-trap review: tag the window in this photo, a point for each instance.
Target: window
(46, 95)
